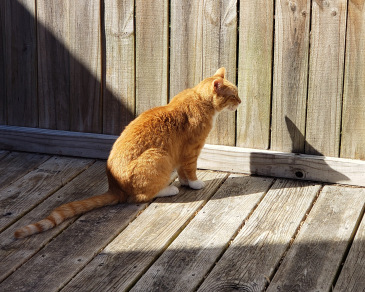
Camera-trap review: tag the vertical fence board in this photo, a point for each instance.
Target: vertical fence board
(85, 66)
(219, 50)
(186, 45)
(255, 71)
(53, 64)
(290, 74)
(3, 107)
(203, 38)
(20, 62)
(118, 90)
(151, 54)
(326, 77)
(353, 122)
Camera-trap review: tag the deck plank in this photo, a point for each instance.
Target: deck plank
(313, 260)
(125, 259)
(71, 250)
(352, 277)
(190, 257)
(17, 164)
(15, 252)
(3, 153)
(37, 185)
(254, 254)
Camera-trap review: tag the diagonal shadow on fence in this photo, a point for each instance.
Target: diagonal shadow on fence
(44, 83)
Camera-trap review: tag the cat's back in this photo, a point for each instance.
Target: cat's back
(154, 128)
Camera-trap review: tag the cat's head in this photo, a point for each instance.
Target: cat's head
(225, 93)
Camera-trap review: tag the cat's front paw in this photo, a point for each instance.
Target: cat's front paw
(196, 184)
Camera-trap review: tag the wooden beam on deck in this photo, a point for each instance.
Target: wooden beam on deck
(213, 157)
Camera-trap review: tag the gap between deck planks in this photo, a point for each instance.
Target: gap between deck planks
(238, 232)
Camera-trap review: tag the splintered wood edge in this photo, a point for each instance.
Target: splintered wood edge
(212, 157)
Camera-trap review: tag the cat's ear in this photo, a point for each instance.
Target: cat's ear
(221, 72)
(217, 84)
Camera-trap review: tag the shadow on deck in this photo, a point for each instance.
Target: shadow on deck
(240, 233)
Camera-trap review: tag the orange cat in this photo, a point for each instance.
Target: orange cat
(151, 147)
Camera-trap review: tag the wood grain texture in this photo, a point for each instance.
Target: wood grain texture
(152, 25)
(185, 45)
(353, 121)
(3, 153)
(311, 263)
(3, 101)
(124, 260)
(66, 254)
(254, 74)
(279, 164)
(291, 49)
(85, 66)
(214, 157)
(206, 43)
(37, 185)
(56, 142)
(20, 63)
(53, 64)
(250, 260)
(118, 71)
(326, 77)
(16, 164)
(193, 253)
(15, 253)
(352, 274)
(219, 45)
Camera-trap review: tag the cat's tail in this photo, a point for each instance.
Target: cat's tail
(63, 212)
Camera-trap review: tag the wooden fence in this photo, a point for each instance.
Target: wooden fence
(93, 65)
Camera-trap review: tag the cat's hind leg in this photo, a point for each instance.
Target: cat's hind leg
(168, 191)
(150, 176)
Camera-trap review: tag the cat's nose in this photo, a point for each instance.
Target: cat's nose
(239, 100)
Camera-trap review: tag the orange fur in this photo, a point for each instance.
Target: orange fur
(156, 143)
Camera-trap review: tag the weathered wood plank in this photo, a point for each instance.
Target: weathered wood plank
(311, 263)
(207, 42)
(85, 66)
(71, 250)
(152, 25)
(119, 87)
(325, 94)
(15, 252)
(53, 64)
(124, 260)
(290, 74)
(3, 101)
(185, 45)
(20, 63)
(353, 121)
(351, 278)
(193, 253)
(27, 192)
(15, 165)
(224, 158)
(56, 142)
(250, 260)
(278, 164)
(219, 46)
(254, 75)
(3, 154)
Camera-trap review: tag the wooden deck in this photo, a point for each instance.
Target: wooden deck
(240, 233)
